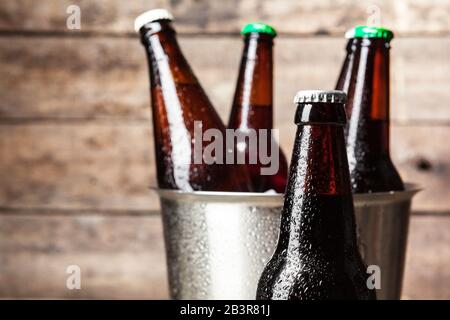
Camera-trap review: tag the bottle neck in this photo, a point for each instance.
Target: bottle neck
(365, 78)
(165, 58)
(318, 211)
(253, 98)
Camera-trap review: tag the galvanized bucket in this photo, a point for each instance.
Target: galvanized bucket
(218, 243)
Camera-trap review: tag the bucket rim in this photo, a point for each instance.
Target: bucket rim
(224, 196)
(392, 196)
(219, 196)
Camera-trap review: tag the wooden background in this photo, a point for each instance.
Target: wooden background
(76, 153)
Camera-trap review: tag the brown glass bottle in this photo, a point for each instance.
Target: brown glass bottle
(316, 256)
(179, 105)
(253, 105)
(365, 79)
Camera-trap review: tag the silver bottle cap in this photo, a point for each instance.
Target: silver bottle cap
(329, 96)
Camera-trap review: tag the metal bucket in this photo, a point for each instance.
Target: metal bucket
(218, 243)
(382, 221)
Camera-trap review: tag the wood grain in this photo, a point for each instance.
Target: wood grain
(288, 16)
(421, 156)
(119, 257)
(77, 166)
(123, 257)
(111, 166)
(107, 78)
(76, 147)
(427, 274)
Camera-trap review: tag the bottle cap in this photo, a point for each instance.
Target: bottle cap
(150, 16)
(259, 27)
(328, 96)
(369, 32)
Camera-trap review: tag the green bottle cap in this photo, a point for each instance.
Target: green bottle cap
(258, 28)
(369, 32)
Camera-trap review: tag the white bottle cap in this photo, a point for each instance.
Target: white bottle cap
(151, 15)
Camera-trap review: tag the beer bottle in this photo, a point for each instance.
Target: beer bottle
(179, 108)
(252, 106)
(365, 79)
(317, 256)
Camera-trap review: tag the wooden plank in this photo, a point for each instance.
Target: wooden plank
(123, 257)
(73, 78)
(77, 166)
(119, 257)
(110, 166)
(288, 16)
(107, 78)
(427, 275)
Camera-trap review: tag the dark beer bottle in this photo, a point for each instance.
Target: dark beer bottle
(317, 256)
(365, 79)
(180, 109)
(252, 106)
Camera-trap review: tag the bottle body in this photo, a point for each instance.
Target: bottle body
(317, 256)
(182, 113)
(252, 110)
(365, 79)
